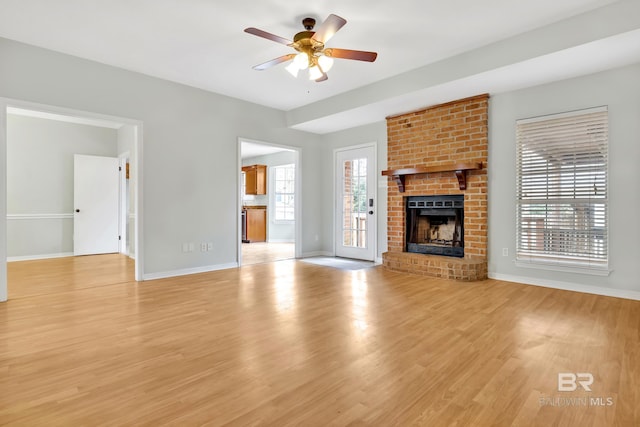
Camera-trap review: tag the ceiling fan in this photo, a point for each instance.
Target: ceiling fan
(312, 53)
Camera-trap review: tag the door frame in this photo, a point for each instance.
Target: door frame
(374, 229)
(123, 203)
(297, 201)
(6, 103)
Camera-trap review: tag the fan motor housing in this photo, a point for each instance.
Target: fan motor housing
(308, 23)
(303, 35)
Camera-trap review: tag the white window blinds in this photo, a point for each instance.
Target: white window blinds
(562, 189)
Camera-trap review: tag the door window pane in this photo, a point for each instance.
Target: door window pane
(354, 196)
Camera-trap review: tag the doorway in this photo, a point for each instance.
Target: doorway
(355, 201)
(269, 206)
(56, 221)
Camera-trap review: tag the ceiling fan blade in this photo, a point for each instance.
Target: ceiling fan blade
(323, 78)
(276, 61)
(268, 36)
(359, 55)
(328, 28)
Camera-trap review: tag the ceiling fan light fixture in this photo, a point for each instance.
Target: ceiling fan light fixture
(310, 51)
(301, 60)
(325, 62)
(315, 73)
(292, 69)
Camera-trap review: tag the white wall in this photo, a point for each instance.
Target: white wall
(276, 231)
(190, 150)
(618, 89)
(40, 181)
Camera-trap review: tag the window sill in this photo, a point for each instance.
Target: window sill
(563, 268)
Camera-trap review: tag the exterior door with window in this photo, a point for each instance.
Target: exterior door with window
(355, 203)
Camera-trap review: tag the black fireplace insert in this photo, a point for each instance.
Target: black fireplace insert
(435, 225)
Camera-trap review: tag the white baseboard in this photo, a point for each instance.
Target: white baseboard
(281, 241)
(36, 257)
(316, 253)
(378, 260)
(568, 286)
(187, 271)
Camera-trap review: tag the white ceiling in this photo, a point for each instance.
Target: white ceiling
(202, 44)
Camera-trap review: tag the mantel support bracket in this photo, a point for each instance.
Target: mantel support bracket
(399, 179)
(462, 179)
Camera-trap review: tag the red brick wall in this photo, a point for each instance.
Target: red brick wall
(450, 133)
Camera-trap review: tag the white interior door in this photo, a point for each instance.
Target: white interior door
(95, 197)
(355, 203)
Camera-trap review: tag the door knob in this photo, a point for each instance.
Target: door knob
(77, 210)
(370, 212)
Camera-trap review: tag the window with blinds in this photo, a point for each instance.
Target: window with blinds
(562, 189)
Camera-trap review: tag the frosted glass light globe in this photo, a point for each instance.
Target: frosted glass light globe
(325, 62)
(302, 61)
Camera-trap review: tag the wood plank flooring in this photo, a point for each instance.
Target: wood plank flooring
(292, 343)
(259, 252)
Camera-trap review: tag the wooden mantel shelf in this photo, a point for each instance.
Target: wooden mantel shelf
(460, 169)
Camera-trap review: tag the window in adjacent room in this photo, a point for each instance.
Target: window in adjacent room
(562, 191)
(284, 192)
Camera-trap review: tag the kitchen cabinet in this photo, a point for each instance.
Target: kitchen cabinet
(256, 224)
(255, 179)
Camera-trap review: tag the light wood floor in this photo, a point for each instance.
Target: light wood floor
(259, 252)
(292, 343)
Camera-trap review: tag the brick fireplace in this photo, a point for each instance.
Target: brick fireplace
(440, 151)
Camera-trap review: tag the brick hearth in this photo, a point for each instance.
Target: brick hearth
(445, 134)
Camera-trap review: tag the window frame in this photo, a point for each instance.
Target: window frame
(275, 193)
(565, 179)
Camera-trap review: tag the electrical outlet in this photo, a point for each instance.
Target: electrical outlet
(203, 247)
(209, 246)
(505, 251)
(191, 247)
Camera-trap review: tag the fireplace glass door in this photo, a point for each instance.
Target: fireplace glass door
(435, 225)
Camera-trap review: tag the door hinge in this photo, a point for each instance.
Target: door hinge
(120, 168)
(119, 237)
